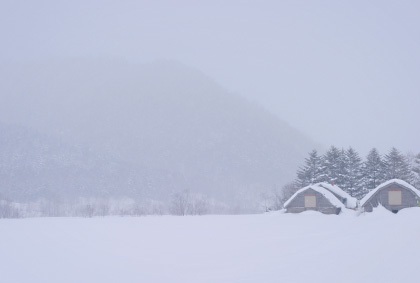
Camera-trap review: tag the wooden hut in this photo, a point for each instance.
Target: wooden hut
(322, 197)
(394, 195)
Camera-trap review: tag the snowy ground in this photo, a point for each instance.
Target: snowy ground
(380, 247)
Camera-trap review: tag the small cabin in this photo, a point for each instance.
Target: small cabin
(394, 195)
(322, 197)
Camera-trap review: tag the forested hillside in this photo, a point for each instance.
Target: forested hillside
(150, 130)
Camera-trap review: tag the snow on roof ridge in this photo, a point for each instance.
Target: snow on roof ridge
(323, 191)
(351, 201)
(397, 181)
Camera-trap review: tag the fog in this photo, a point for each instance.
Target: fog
(209, 141)
(343, 73)
(148, 100)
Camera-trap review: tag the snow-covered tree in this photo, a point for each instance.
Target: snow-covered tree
(8, 210)
(310, 173)
(373, 171)
(285, 193)
(200, 204)
(397, 166)
(414, 161)
(187, 203)
(354, 176)
(181, 203)
(331, 170)
(342, 170)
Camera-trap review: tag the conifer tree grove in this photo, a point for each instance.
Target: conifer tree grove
(416, 171)
(330, 169)
(346, 169)
(397, 166)
(373, 170)
(354, 175)
(342, 170)
(311, 171)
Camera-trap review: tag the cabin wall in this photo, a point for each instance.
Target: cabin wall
(409, 199)
(323, 205)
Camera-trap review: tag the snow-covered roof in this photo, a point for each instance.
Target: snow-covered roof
(351, 201)
(323, 191)
(381, 186)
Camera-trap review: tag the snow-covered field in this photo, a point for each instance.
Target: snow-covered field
(276, 247)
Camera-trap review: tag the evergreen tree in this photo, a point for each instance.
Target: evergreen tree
(342, 170)
(310, 173)
(331, 170)
(415, 169)
(397, 166)
(373, 171)
(354, 175)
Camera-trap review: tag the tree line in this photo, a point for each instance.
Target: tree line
(180, 203)
(346, 169)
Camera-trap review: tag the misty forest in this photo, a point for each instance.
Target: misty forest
(208, 141)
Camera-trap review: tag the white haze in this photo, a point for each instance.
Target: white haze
(84, 128)
(345, 73)
(147, 99)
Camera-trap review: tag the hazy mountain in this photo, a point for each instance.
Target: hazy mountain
(162, 122)
(34, 165)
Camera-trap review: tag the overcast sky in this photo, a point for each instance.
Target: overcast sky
(343, 72)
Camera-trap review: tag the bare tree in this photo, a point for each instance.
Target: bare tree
(181, 203)
(275, 199)
(87, 210)
(103, 208)
(287, 191)
(200, 205)
(266, 200)
(8, 210)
